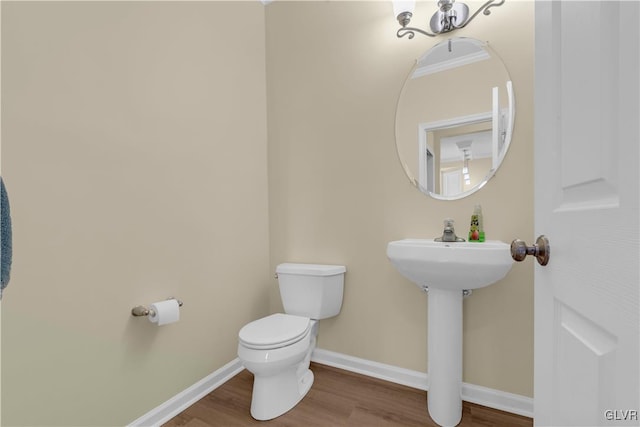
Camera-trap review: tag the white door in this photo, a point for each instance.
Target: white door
(451, 182)
(587, 326)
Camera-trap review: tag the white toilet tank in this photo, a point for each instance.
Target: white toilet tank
(311, 290)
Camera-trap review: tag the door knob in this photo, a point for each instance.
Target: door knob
(541, 250)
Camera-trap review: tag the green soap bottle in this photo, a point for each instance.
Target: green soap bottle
(476, 231)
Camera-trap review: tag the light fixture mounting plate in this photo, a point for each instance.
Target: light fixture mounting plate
(455, 17)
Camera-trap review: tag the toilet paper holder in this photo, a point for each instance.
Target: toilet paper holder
(142, 310)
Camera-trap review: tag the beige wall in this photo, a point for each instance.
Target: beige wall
(338, 193)
(134, 151)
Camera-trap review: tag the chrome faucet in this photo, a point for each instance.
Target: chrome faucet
(449, 234)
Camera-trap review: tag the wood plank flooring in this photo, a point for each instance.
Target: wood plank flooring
(338, 398)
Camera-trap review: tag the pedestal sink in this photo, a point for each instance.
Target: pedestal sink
(447, 269)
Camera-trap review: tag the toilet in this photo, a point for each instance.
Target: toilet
(277, 349)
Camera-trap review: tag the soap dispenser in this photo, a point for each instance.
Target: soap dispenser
(476, 230)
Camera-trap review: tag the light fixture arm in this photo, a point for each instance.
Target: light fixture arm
(484, 9)
(403, 19)
(411, 32)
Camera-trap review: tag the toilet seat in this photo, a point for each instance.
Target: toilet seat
(274, 331)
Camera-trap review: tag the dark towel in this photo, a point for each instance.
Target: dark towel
(6, 250)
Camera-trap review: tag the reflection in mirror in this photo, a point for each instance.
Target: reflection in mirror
(455, 118)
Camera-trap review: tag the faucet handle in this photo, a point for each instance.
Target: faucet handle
(449, 234)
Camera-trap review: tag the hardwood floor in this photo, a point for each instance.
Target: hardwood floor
(337, 398)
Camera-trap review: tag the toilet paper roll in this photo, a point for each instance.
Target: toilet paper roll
(164, 312)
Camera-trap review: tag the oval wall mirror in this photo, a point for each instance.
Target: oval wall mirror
(454, 119)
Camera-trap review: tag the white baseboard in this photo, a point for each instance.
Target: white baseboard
(188, 397)
(496, 399)
(369, 368)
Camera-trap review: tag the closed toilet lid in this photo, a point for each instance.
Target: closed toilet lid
(276, 330)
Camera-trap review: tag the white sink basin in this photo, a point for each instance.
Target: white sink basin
(450, 265)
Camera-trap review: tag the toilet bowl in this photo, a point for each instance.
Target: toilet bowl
(277, 348)
(279, 362)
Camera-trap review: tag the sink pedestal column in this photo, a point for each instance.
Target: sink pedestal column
(444, 399)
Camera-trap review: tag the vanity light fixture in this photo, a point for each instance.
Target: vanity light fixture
(450, 16)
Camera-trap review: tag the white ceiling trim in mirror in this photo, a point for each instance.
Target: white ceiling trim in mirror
(441, 58)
